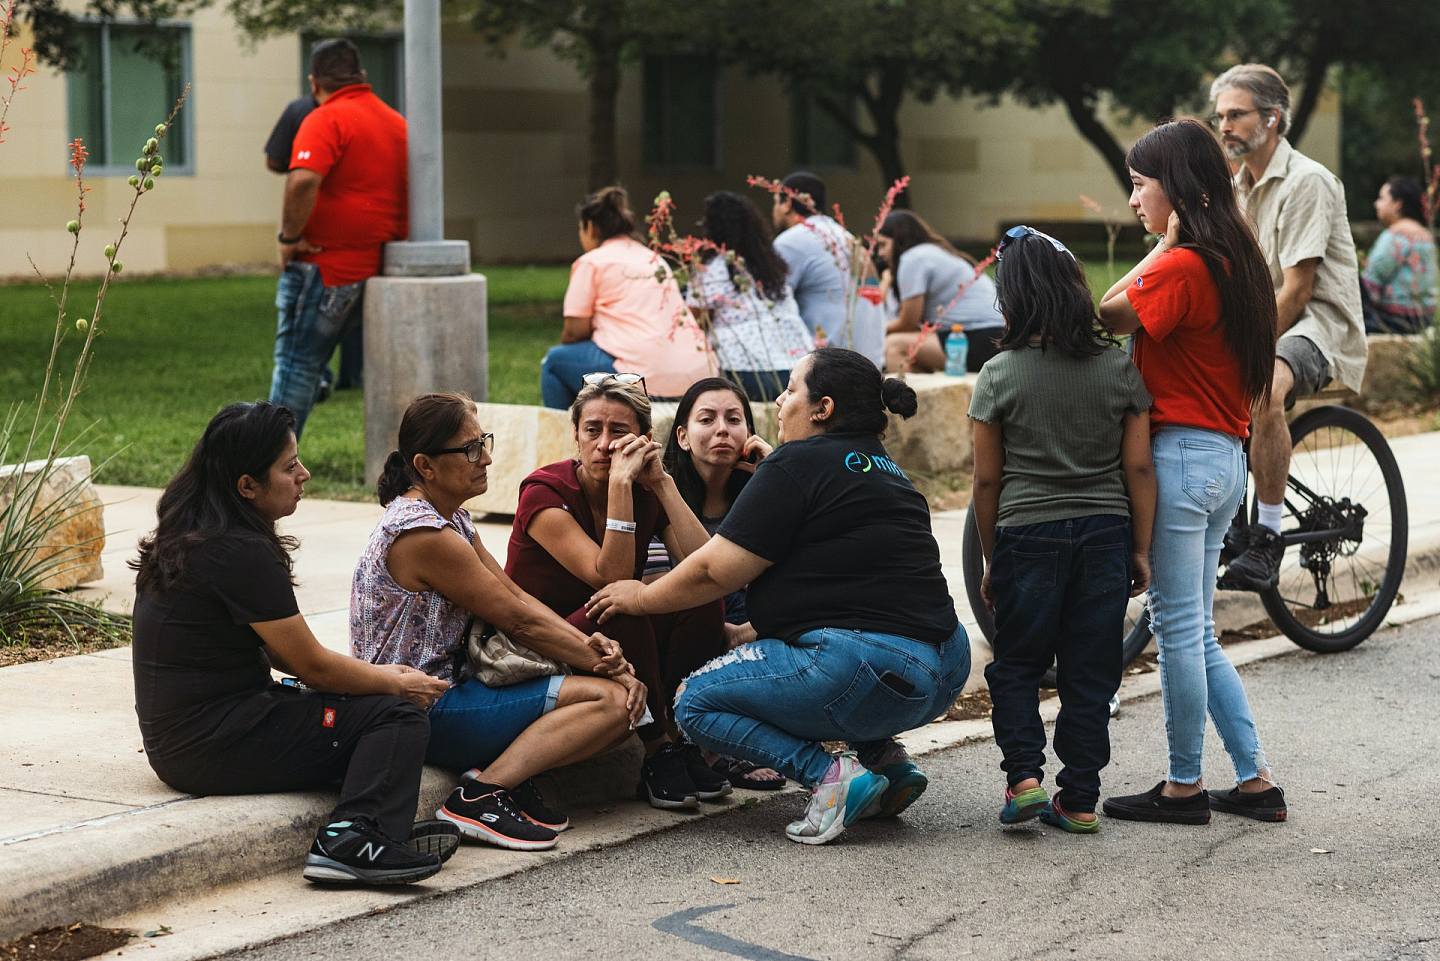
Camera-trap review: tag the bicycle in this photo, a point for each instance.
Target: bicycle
(1346, 540)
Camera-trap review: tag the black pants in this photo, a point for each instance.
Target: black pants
(283, 739)
(1060, 592)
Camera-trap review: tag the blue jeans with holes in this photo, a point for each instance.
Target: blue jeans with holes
(1060, 589)
(1200, 475)
(313, 318)
(772, 702)
(564, 367)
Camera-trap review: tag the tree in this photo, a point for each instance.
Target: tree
(870, 53)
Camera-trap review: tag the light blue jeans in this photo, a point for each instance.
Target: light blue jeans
(772, 702)
(563, 370)
(1200, 475)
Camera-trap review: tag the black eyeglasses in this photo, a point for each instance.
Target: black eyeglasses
(1233, 116)
(1020, 230)
(471, 450)
(601, 377)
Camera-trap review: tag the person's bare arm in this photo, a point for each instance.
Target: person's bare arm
(716, 569)
(1140, 484)
(302, 189)
(911, 315)
(274, 167)
(290, 642)
(985, 483)
(1116, 311)
(1295, 292)
(576, 329)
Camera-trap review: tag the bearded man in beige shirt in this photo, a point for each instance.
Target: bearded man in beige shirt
(1297, 208)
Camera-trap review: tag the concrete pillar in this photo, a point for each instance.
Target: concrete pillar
(422, 334)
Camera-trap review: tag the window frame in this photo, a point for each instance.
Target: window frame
(309, 39)
(187, 77)
(805, 102)
(717, 160)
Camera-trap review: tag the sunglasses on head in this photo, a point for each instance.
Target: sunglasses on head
(605, 378)
(1020, 230)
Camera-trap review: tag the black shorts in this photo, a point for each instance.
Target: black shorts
(1308, 365)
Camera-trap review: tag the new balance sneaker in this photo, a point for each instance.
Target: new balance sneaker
(484, 812)
(532, 804)
(440, 838)
(1153, 805)
(355, 852)
(1024, 805)
(838, 801)
(907, 783)
(1258, 568)
(709, 785)
(665, 782)
(1266, 805)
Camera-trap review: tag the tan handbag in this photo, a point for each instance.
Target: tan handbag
(497, 661)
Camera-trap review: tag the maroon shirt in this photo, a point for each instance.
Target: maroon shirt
(534, 569)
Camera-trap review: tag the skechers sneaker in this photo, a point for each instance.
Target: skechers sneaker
(837, 802)
(484, 812)
(355, 852)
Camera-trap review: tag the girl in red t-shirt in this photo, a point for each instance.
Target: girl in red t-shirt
(1201, 307)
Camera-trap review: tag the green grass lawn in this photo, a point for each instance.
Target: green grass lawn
(172, 352)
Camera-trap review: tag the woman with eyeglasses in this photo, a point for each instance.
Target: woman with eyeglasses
(623, 311)
(586, 522)
(858, 635)
(1201, 309)
(422, 578)
(934, 284)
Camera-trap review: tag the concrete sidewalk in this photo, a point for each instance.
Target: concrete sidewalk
(89, 832)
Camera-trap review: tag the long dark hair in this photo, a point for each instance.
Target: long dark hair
(861, 393)
(1044, 295)
(907, 230)
(429, 423)
(202, 501)
(680, 465)
(608, 210)
(1407, 191)
(1185, 157)
(732, 221)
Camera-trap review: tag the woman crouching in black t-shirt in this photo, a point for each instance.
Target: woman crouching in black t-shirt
(858, 635)
(215, 608)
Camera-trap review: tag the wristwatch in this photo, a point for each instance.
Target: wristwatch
(288, 240)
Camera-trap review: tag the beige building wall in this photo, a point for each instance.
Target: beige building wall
(516, 160)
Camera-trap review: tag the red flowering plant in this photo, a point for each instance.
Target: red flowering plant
(35, 499)
(1431, 169)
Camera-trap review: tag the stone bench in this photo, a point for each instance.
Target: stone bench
(80, 534)
(933, 446)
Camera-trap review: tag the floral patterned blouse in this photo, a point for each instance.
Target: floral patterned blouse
(390, 625)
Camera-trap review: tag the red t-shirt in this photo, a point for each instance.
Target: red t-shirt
(533, 568)
(1180, 347)
(358, 144)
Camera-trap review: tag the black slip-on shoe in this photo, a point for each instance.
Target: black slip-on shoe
(664, 781)
(1155, 806)
(1266, 805)
(709, 785)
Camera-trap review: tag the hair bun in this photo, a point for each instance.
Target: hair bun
(899, 397)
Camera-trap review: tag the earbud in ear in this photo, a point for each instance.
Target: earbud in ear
(1270, 122)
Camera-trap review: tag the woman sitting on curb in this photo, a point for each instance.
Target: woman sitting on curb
(215, 608)
(422, 576)
(584, 523)
(859, 639)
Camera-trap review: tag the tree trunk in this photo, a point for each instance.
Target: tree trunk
(883, 109)
(1083, 116)
(1314, 85)
(604, 90)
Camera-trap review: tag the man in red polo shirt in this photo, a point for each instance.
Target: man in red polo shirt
(345, 198)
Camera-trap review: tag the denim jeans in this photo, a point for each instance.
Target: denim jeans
(759, 385)
(563, 368)
(1061, 589)
(313, 318)
(1200, 476)
(471, 725)
(772, 702)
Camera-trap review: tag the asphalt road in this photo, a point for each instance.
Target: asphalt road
(1354, 873)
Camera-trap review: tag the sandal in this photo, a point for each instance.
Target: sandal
(738, 773)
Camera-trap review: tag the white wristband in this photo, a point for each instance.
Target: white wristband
(624, 527)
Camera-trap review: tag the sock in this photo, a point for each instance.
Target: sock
(1269, 515)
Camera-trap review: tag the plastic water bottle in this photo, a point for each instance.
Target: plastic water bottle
(957, 349)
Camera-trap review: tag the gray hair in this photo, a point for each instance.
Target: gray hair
(1264, 85)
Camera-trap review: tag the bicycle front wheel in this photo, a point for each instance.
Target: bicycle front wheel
(1346, 531)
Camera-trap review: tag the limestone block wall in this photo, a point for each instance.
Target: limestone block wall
(79, 537)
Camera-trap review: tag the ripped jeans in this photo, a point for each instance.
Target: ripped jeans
(772, 702)
(1200, 475)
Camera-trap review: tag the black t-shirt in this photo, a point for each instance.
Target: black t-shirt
(195, 651)
(282, 138)
(850, 542)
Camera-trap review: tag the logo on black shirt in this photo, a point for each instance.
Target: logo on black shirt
(860, 463)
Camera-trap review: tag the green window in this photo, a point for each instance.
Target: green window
(383, 58)
(681, 118)
(820, 142)
(124, 80)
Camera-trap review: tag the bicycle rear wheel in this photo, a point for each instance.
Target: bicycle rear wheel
(1335, 590)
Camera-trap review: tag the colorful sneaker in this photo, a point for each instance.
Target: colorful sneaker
(355, 852)
(486, 813)
(1056, 816)
(1267, 805)
(440, 838)
(709, 785)
(532, 804)
(1023, 806)
(665, 782)
(1153, 805)
(838, 801)
(907, 783)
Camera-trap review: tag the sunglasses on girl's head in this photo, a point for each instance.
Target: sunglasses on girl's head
(1016, 232)
(471, 450)
(601, 378)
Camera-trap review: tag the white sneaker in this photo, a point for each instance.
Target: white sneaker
(836, 805)
(1115, 706)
